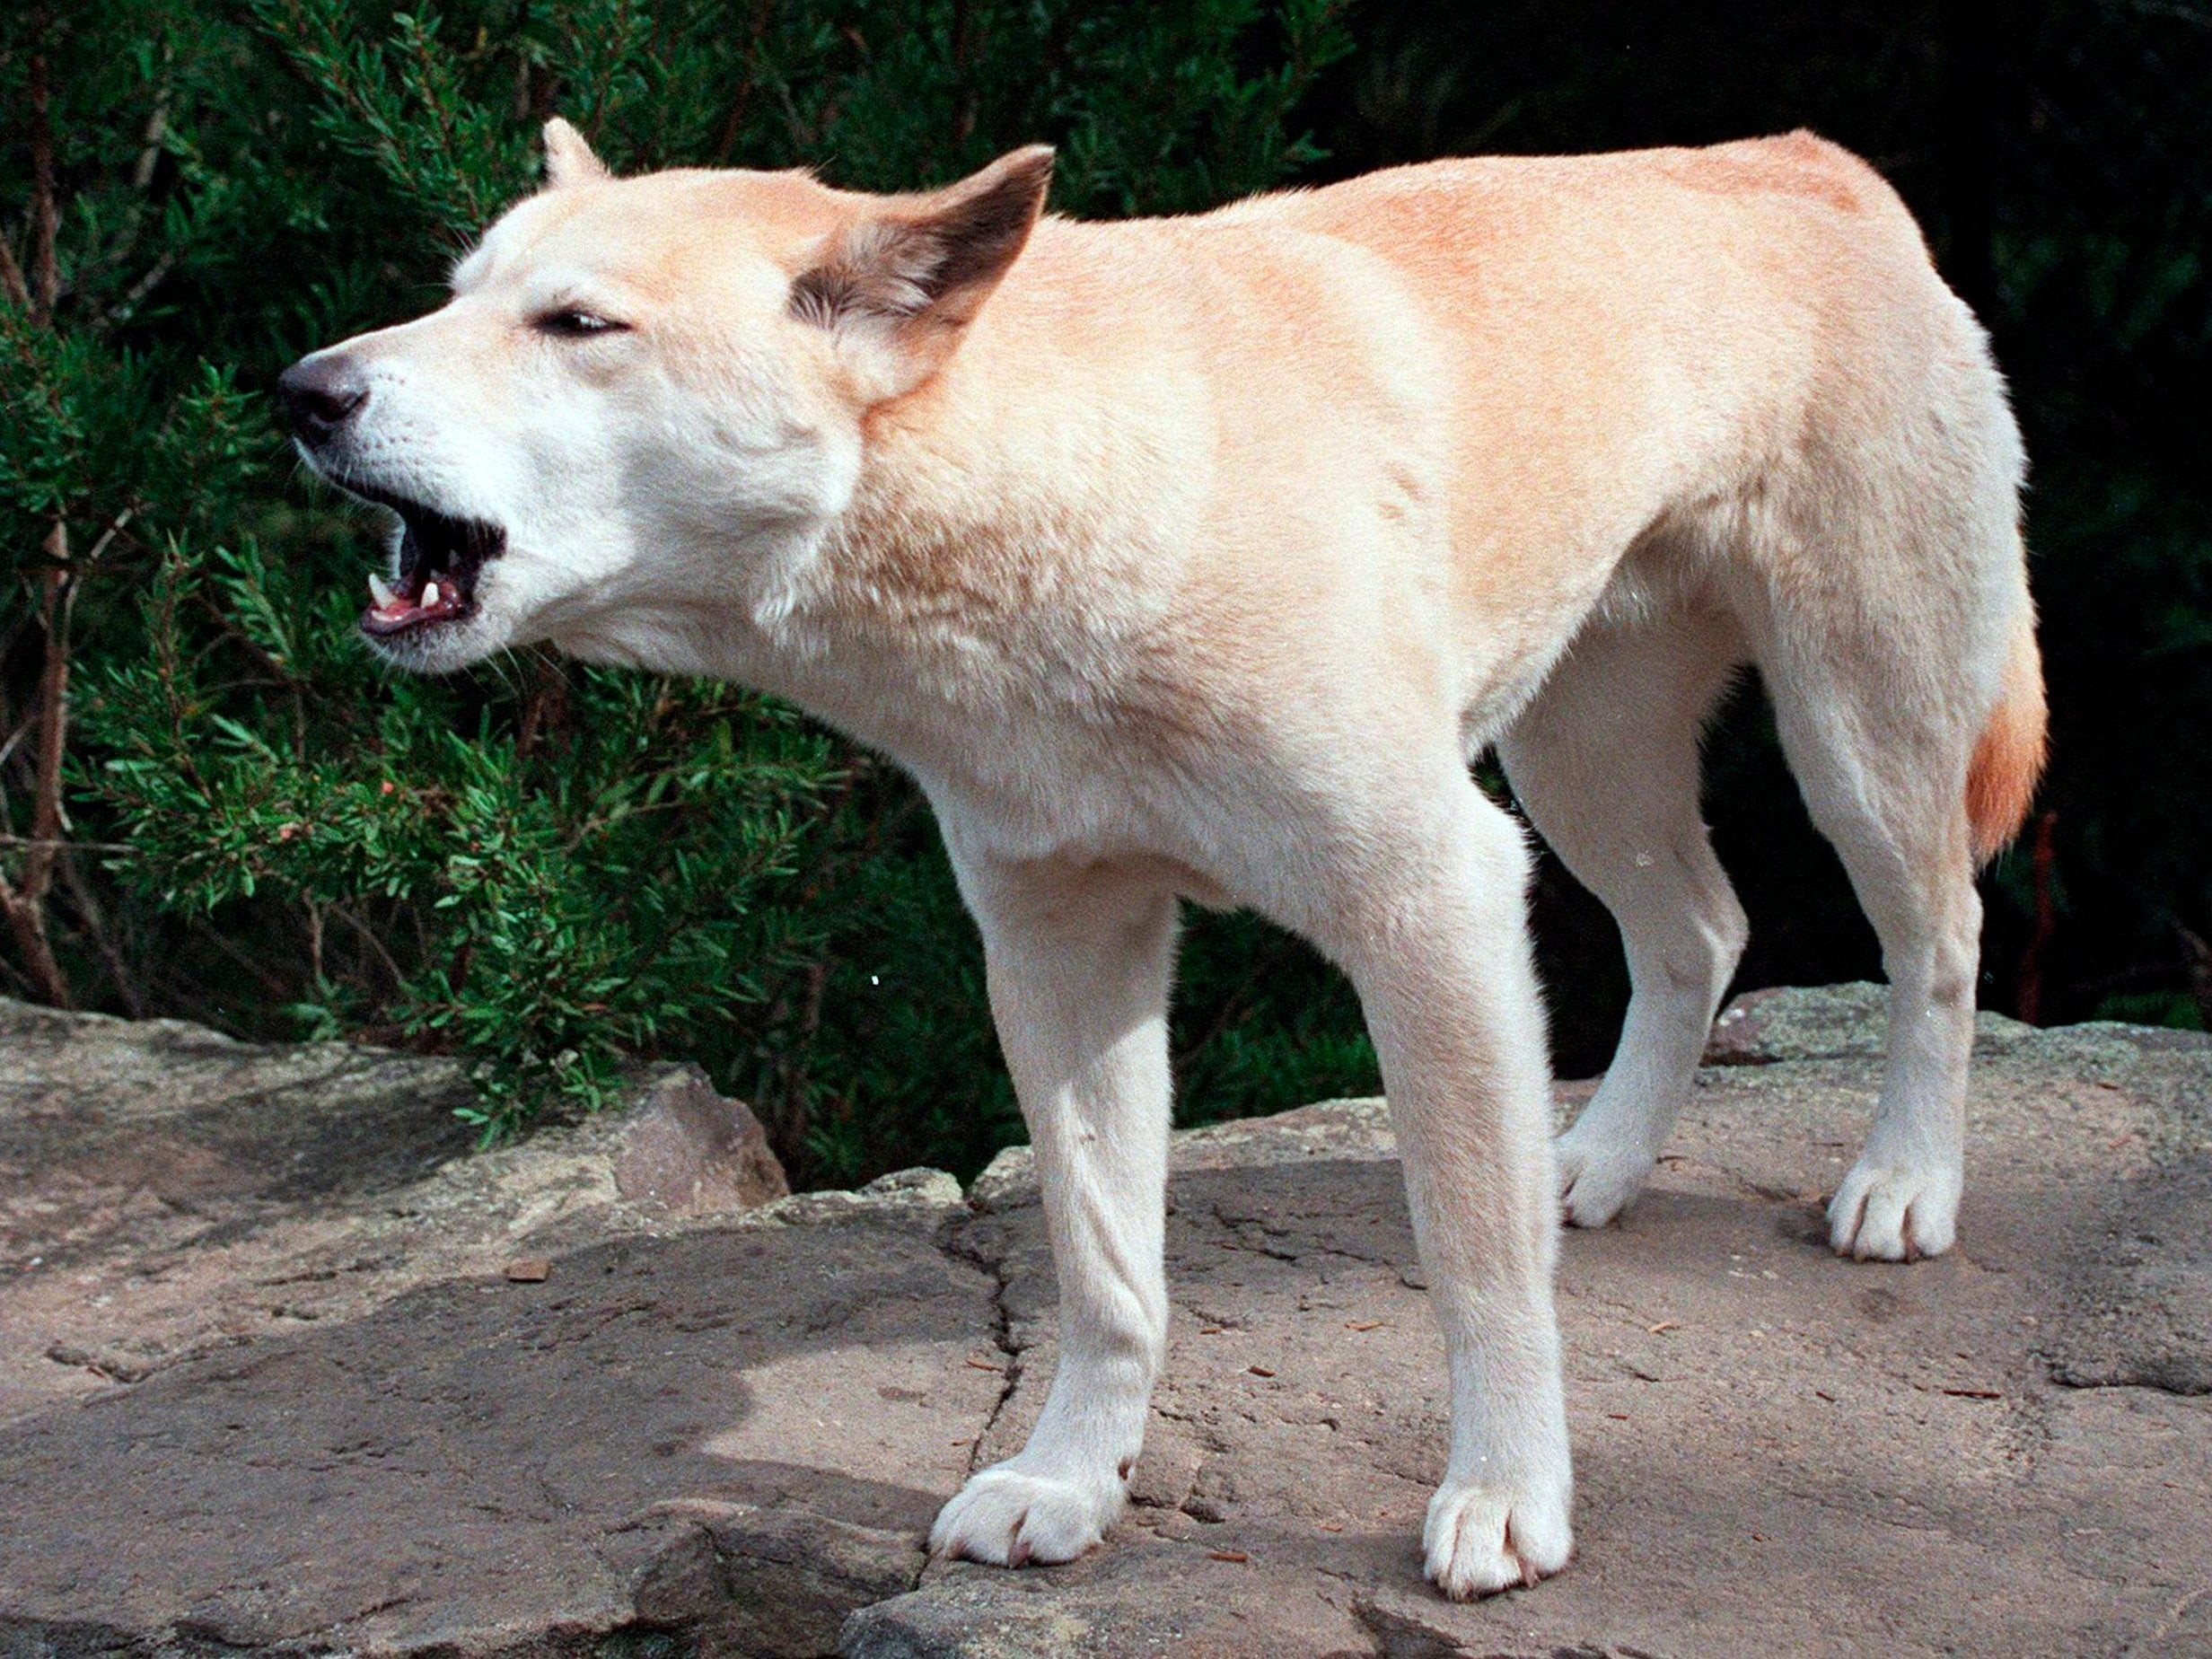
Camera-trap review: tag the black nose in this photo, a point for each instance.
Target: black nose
(319, 395)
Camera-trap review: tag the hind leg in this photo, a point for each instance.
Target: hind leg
(1879, 740)
(1605, 763)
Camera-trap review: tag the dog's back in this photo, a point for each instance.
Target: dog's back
(1564, 367)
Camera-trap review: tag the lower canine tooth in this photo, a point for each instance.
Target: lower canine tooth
(430, 593)
(379, 592)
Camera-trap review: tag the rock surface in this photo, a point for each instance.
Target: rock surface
(724, 1433)
(165, 1190)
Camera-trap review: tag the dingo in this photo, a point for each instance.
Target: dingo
(1198, 556)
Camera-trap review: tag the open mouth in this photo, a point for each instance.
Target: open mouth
(440, 559)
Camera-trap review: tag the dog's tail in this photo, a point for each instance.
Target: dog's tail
(2008, 758)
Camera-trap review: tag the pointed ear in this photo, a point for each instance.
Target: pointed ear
(905, 281)
(568, 160)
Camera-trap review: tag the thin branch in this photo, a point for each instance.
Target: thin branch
(46, 815)
(155, 274)
(2030, 1003)
(740, 106)
(274, 986)
(369, 937)
(64, 845)
(20, 731)
(45, 212)
(23, 899)
(115, 527)
(11, 278)
(95, 921)
(27, 922)
(149, 151)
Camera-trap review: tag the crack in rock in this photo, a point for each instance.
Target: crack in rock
(962, 1244)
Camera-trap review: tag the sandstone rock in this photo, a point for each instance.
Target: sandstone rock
(725, 1436)
(670, 1434)
(165, 1190)
(1827, 1021)
(929, 1197)
(689, 1150)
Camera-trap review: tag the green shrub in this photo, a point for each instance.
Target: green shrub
(545, 868)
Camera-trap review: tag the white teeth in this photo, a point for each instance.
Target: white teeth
(430, 595)
(379, 592)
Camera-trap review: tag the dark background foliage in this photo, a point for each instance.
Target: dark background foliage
(552, 869)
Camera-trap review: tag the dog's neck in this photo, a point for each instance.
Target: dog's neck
(1009, 530)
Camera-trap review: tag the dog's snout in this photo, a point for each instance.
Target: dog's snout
(321, 394)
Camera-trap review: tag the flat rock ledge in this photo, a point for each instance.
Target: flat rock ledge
(282, 1371)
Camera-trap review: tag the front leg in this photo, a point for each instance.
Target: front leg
(1433, 931)
(1078, 963)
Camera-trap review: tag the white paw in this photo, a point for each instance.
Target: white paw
(1483, 1539)
(1597, 1180)
(1007, 1517)
(1884, 1213)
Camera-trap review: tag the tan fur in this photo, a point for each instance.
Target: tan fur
(2009, 755)
(1196, 557)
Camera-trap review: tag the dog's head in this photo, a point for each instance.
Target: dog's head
(644, 394)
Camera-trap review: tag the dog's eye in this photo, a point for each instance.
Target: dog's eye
(573, 324)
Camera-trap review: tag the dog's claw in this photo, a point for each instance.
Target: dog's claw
(1884, 1214)
(1597, 1181)
(1481, 1540)
(1008, 1517)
